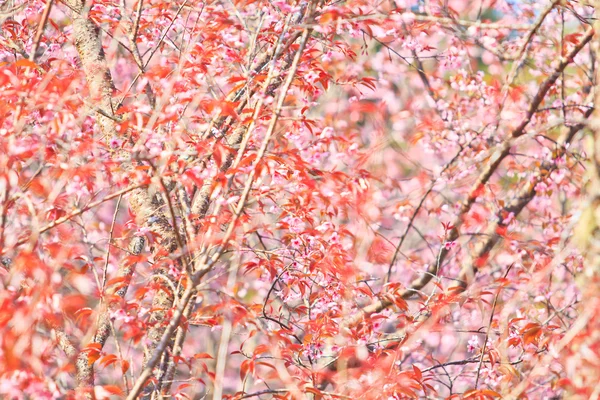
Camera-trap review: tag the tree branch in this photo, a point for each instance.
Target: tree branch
(77, 212)
(204, 265)
(473, 194)
(144, 206)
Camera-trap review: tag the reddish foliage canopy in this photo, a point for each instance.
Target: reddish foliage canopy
(314, 199)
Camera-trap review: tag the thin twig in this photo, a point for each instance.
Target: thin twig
(462, 362)
(487, 173)
(40, 30)
(110, 237)
(76, 212)
(489, 327)
(205, 267)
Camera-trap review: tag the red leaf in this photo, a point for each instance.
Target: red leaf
(199, 356)
(263, 348)
(380, 251)
(418, 374)
(246, 367)
(26, 63)
(108, 360)
(486, 393)
(93, 352)
(124, 366)
(113, 389)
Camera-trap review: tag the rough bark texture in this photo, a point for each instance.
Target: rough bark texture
(89, 47)
(146, 206)
(85, 369)
(147, 209)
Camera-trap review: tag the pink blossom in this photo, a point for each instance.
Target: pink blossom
(473, 344)
(296, 243)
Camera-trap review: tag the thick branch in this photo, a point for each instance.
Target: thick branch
(65, 343)
(101, 87)
(204, 264)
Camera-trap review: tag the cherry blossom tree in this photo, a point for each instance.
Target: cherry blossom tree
(299, 199)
